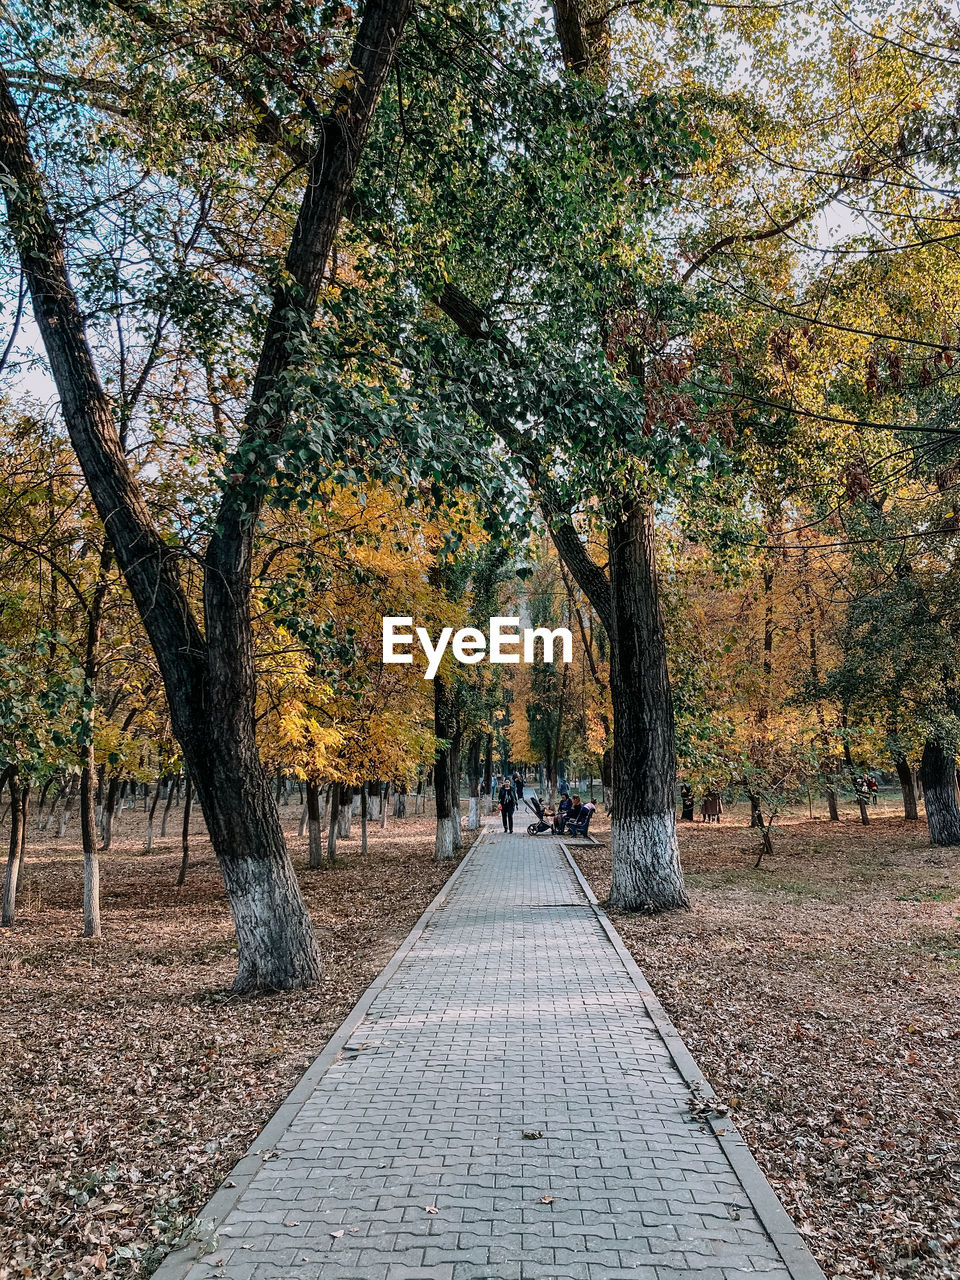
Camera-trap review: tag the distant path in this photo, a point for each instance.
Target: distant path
(515, 1008)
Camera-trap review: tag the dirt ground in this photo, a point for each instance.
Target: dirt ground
(132, 1080)
(817, 993)
(819, 996)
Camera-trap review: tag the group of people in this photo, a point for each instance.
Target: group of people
(866, 788)
(570, 810)
(711, 810)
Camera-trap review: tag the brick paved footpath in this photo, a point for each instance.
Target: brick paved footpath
(516, 1009)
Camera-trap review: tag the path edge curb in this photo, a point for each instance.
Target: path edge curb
(778, 1224)
(207, 1222)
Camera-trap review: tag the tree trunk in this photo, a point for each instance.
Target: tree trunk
(314, 828)
(905, 775)
(473, 783)
(67, 813)
(938, 775)
(43, 798)
(645, 858)
(363, 821)
(442, 779)
(345, 817)
(848, 756)
(766, 846)
(52, 811)
(166, 808)
(110, 810)
(332, 827)
(832, 804)
(384, 797)
(208, 674)
(756, 815)
(15, 853)
(88, 836)
(454, 762)
(185, 834)
(152, 814)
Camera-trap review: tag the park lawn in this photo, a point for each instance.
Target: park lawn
(132, 1080)
(820, 997)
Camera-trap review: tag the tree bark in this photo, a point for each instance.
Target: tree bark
(185, 834)
(905, 775)
(345, 816)
(443, 727)
(152, 814)
(454, 763)
(43, 798)
(166, 809)
(15, 852)
(52, 811)
(938, 776)
(67, 813)
(314, 828)
(645, 858)
(332, 827)
(110, 810)
(88, 838)
(209, 678)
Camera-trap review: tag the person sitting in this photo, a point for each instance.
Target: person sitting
(563, 813)
(576, 809)
(580, 824)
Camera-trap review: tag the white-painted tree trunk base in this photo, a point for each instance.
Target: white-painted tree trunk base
(473, 816)
(646, 864)
(445, 838)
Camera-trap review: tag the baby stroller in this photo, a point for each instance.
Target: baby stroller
(544, 823)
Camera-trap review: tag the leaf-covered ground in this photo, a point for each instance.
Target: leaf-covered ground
(820, 997)
(132, 1081)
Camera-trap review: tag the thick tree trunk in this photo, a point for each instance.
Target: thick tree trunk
(88, 837)
(646, 861)
(314, 827)
(15, 852)
(938, 774)
(905, 775)
(442, 780)
(185, 834)
(208, 675)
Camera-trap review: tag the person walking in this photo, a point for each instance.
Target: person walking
(508, 804)
(518, 786)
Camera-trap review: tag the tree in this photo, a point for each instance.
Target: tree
(209, 672)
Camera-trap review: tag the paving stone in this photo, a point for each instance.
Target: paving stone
(511, 1012)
